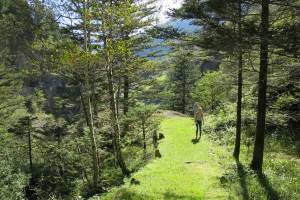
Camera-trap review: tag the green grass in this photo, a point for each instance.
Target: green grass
(206, 170)
(185, 171)
(281, 166)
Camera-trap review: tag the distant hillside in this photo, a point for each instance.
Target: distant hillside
(159, 49)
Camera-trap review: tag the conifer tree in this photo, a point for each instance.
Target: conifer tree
(222, 23)
(183, 77)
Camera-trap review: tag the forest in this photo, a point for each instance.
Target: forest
(97, 99)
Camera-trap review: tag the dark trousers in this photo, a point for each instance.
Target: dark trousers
(198, 128)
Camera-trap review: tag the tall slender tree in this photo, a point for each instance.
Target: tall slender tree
(80, 70)
(88, 109)
(222, 23)
(236, 152)
(109, 48)
(258, 153)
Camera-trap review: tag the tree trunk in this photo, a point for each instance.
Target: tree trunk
(112, 101)
(94, 145)
(90, 123)
(126, 94)
(94, 96)
(126, 79)
(115, 123)
(236, 152)
(257, 160)
(30, 146)
(118, 97)
(144, 135)
(126, 85)
(88, 110)
(125, 103)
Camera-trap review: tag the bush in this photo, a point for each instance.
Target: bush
(13, 178)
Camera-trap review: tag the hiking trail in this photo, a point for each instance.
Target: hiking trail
(188, 169)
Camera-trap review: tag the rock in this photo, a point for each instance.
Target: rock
(157, 153)
(161, 136)
(134, 181)
(223, 180)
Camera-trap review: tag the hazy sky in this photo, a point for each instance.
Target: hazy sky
(164, 6)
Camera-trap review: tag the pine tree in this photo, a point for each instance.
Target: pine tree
(257, 161)
(183, 77)
(79, 70)
(222, 23)
(236, 152)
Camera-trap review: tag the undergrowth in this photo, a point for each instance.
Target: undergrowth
(281, 168)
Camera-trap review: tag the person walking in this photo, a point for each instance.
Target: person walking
(199, 119)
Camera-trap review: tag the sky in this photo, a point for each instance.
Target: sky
(164, 6)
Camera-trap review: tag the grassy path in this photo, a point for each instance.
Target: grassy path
(185, 171)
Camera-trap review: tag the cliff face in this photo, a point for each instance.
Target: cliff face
(209, 65)
(60, 99)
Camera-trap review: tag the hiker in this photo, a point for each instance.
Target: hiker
(198, 116)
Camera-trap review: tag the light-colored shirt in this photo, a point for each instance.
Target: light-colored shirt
(198, 115)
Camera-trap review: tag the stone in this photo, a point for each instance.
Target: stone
(157, 153)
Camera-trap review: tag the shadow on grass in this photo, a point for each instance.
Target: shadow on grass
(242, 177)
(264, 181)
(125, 194)
(171, 195)
(195, 141)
